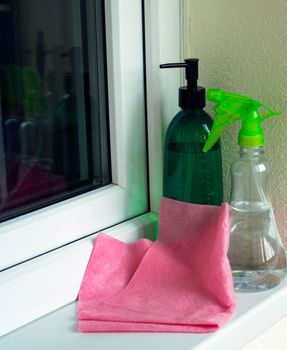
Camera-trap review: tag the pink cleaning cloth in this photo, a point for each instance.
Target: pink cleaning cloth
(180, 283)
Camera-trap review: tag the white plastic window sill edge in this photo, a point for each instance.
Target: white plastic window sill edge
(255, 313)
(44, 284)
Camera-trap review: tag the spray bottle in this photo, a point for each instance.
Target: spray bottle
(256, 253)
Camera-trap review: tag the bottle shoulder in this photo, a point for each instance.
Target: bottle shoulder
(193, 116)
(256, 164)
(189, 124)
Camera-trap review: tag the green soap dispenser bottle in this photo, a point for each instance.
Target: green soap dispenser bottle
(190, 175)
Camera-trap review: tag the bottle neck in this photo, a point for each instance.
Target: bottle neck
(251, 152)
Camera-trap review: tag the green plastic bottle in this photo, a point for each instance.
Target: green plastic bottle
(190, 175)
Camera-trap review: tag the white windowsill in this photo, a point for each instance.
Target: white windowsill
(255, 313)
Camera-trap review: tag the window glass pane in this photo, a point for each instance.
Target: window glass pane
(54, 128)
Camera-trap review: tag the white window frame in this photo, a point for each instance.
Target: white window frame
(43, 230)
(41, 285)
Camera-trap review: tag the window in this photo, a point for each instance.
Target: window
(52, 280)
(56, 54)
(54, 136)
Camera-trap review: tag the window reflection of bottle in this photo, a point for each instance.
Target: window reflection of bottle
(66, 142)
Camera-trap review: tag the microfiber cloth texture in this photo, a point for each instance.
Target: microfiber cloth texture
(180, 283)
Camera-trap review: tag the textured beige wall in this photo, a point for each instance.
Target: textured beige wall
(242, 47)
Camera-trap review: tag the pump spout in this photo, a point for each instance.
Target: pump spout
(191, 70)
(232, 107)
(190, 96)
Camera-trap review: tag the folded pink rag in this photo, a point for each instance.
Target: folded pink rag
(180, 283)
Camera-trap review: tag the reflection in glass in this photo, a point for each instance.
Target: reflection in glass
(51, 146)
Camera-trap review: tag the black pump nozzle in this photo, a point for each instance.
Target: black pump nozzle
(190, 96)
(191, 70)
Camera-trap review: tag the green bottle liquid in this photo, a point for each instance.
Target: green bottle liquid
(190, 175)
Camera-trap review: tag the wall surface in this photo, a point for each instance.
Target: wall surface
(242, 48)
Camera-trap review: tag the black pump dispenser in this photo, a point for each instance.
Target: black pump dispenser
(190, 96)
(189, 175)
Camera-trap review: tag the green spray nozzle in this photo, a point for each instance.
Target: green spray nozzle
(231, 107)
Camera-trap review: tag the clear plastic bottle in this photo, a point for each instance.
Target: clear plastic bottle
(256, 253)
